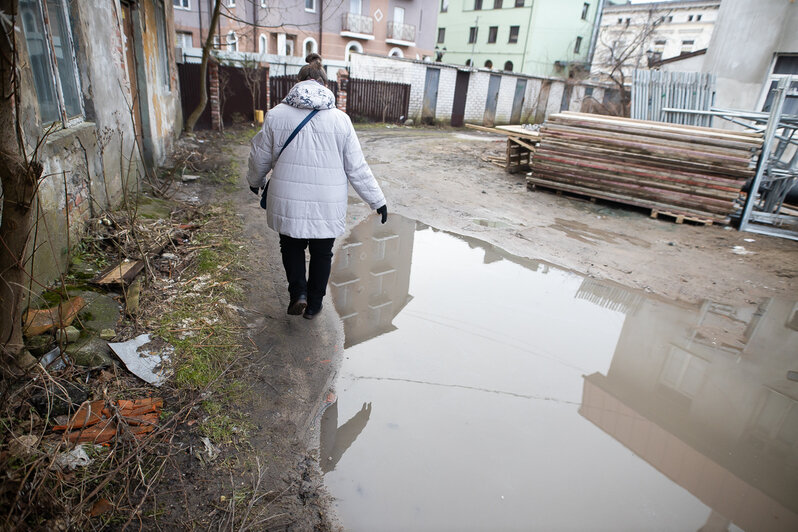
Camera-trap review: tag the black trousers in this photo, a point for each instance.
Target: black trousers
(315, 285)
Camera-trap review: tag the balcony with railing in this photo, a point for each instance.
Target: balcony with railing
(357, 26)
(401, 34)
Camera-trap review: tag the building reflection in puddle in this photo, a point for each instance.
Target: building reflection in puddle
(702, 395)
(370, 277)
(486, 407)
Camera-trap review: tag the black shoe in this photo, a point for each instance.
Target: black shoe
(297, 306)
(311, 313)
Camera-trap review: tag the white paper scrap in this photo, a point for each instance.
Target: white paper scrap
(146, 365)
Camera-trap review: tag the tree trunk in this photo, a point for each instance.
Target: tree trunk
(19, 180)
(206, 52)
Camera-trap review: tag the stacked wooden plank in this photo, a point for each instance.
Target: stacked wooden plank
(688, 172)
(521, 143)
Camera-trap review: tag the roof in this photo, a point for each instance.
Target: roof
(626, 7)
(677, 58)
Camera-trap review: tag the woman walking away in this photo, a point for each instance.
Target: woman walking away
(313, 151)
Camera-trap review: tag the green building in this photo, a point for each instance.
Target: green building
(536, 37)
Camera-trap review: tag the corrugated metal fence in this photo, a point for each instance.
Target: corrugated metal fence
(379, 101)
(653, 90)
(280, 85)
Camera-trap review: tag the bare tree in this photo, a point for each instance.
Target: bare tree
(206, 52)
(624, 50)
(224, 92)
(20, 174)
(252, 71)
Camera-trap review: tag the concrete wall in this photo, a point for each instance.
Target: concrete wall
(537, 103)
(87, 161)
(746, 38)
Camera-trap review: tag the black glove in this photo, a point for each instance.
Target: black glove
(384, 212)
(255, 190)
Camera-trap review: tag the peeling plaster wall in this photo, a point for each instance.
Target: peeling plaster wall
(89, 163)
(163, 94)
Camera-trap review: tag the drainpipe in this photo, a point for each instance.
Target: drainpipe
(254, 27)
(473, 45)
(199, 16)
(594, 37)
(526, 40)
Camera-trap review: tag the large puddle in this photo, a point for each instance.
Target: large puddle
(480, 391)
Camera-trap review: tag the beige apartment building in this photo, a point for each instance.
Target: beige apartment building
(634, 36)
(294, 28)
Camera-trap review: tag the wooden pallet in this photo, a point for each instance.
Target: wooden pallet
(680, 218)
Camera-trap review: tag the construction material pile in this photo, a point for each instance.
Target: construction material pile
(688, 172)
(521, 143)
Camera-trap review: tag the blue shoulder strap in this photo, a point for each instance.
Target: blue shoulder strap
(300, 126)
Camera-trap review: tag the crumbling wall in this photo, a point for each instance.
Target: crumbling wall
(90, 160)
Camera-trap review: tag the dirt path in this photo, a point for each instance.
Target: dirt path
(438, 178)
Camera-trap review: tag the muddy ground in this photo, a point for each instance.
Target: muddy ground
(437, 177)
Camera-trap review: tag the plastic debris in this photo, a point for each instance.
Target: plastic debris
(73, 459)
(740, 250)
(52, 360)
(211, 450)
(145, 364)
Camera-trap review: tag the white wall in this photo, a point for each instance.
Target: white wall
(414, 73)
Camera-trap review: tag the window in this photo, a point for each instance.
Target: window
(689, 18)
(441, 35)
(477, 5)
(181, 4)
(497, 4)
(355, 6)
(399, 15)
(468, 62)
(472, 35)
(444, 6)
(488, 64)
(578, 45)
(52, 60)
(262, 3)
(659, 45)
(628, 21)
(585, 9)
(232, 42)
(289, 45)
(184, 40)
(396, 52)
(683, 372)
(231, 3)
(493, 32)
(687, 46)
(263, 44)
(784, 66)
(519, 3)
(513, 34)
(670, 18)
(163, 51)
(620, 21)
(310, 5)
(352, 46)
(697, 18)
(310, 46)
(216, 44)
(508, 66)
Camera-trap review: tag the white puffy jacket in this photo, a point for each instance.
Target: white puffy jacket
(307, 190)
